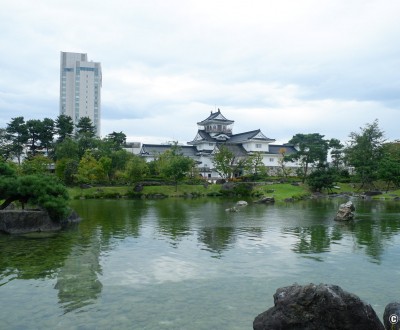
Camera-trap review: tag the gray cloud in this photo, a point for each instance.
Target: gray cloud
(282, 66)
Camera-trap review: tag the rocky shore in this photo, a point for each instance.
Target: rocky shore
(323, 306)
(26, 221)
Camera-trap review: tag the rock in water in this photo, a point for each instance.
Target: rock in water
(345, 212)
(391, 316)
(317, 307)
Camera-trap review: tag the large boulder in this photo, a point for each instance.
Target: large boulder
(317, 307)
(26, 221)
(345, 212)
(266, 200)
(391, 316)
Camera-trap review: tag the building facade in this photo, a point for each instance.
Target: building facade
(80, 88)
(215, 131)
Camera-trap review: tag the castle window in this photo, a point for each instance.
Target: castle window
(258, 145)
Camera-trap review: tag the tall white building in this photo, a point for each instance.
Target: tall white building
(80, 88)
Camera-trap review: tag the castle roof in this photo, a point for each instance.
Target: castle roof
(216, 117)
(251, 135)
(155, 150)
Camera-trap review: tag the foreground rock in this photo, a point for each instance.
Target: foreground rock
(317, 307)
(27, 221)
(266, 200)
(391, 316)
(345, 212)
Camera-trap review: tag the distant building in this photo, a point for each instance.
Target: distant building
(80, 88)
(216, 130)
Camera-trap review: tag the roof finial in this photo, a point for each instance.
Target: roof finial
(219, 110)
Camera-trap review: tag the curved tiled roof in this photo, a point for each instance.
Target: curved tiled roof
(158, 149)
(216, 117)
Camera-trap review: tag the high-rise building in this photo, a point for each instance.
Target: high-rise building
(80, 88)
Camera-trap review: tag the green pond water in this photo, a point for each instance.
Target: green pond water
(189, 264)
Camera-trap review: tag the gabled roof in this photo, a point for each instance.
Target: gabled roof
(274, 149)
(216, 117)
(157, 149)
(236, 149)
(251, 135)
(202, 135)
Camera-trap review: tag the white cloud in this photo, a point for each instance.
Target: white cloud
(282, 66)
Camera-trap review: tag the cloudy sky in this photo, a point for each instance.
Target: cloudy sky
(283, 66)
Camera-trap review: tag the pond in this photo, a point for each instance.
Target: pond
(189, 264)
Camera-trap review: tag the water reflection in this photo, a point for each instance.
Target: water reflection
(195, 229)
(314, 239)
(172, 218)
(77, 281)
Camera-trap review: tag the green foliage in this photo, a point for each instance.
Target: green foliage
(64, 127)
(136, 169)
(17, 134)
(36, 165)
(223, 161)
(364, 152)
(174, 166)
(66, 170)
(67, 148)
(322, 178)
(85, 127)
(389, 166)
(40, 190)
(91, 170)
(312, 151)
(116, 140)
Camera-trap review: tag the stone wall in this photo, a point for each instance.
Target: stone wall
(25, 221)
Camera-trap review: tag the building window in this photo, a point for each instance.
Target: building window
(211, 144)
(258, 145)
(271, 160)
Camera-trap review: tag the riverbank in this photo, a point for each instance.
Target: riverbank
(280, 191)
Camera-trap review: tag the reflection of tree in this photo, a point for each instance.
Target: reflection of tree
(217, 239)
(122, 218)
(314, 239)
(77, 281)
(32, 256)
(172, 218)
(375, 224)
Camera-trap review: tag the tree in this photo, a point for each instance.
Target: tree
(67, 148)
(337, 153)
(136, 168)
(36, 165)
(223, 162)
(35, 128)
(90, 170)
(39, 190)
(322, 178)
(389, 166)
(364, 152)
(174, 165)
(283, 170)
(46, 136)
(312, 150)
(17, 134)
(117, 140)
(85, 127)
(255, 164)
(66, 170)
(64, 127)
(5, 148)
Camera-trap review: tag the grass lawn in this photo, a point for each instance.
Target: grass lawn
(280, 191)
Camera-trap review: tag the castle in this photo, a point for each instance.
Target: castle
(215, 131)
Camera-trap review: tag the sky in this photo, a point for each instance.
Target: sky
(282, 66)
